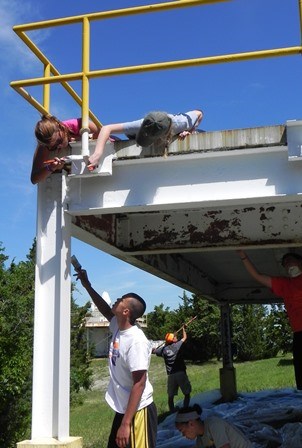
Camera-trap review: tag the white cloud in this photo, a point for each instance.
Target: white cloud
(15, 54)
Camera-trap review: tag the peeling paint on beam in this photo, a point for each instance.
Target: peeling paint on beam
(101, 226)
(201, 228)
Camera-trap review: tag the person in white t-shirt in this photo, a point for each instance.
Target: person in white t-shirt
(129, 393)
(211, 432)
(155, 127)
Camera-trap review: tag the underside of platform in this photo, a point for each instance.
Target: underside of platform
(181, 214)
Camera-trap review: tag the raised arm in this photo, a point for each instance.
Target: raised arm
(184, 334)
(260, 278)
(98, 300)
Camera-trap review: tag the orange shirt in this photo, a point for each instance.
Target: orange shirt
(290, 289)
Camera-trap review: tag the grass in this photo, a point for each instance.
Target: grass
(92, 418)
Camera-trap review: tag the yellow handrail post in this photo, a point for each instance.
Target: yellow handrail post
(300, 17)
(85, 86)
(46, 89)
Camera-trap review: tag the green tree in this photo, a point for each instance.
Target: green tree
(249, 331)
(204, 332)
(183, 313)
(16, 348)
(259, 331)
(80, 357)
(16, 342)
(159, 322)
(278, 332)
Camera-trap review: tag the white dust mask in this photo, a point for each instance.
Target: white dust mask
(294, 271)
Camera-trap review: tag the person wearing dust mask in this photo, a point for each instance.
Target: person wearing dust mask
(290, 289)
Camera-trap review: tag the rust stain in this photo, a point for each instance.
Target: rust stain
(208, 228)
(244, 210)
(236, 222)
(212, 213)
(102, 226)
(149, 234)
(218, 231)
(161, 237)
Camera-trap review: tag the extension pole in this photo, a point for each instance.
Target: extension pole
(184, 325)
(187, 323)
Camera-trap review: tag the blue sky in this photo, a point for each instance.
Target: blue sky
(237, 95)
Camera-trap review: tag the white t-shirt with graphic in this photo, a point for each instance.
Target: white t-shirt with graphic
(129, 352)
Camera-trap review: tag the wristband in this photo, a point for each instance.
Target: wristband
(244, 258)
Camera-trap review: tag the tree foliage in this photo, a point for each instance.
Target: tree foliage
(249, 332)
(159, 322)
(279, 333)
(80, 356)
(16, 348)
(258, 331)
(203, 332)
(16, 342)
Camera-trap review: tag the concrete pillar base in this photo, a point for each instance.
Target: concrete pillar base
(68, 442)
(228, 388)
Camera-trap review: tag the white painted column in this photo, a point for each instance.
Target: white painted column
(85, 142)
(51, 365)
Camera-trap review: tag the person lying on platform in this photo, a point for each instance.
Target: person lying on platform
(211, 432)
(53, 138)
(156, 127)
(290, 289)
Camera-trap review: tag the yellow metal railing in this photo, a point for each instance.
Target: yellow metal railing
(52, 75)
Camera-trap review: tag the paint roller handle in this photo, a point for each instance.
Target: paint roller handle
(75, 263)
(186, 324)
(58, 159)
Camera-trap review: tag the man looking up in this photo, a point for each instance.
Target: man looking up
(129, 392)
